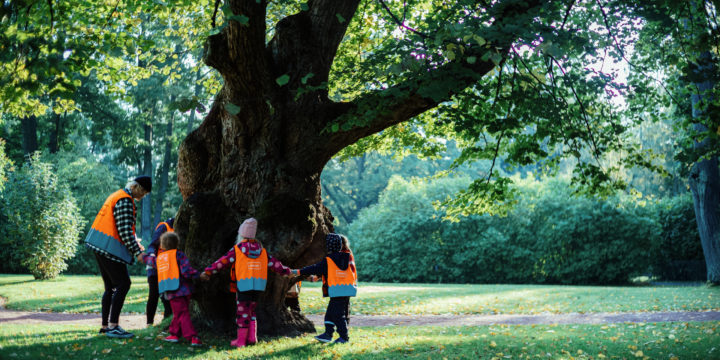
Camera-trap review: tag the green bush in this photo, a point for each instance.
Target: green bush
(90, 183)
(678, 254)
(43, 222)
(549, 237)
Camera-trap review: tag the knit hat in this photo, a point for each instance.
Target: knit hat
(248, 228)
(144, 181)
(333, 243)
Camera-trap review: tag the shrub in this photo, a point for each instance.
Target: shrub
(549, 237)
(43, 222)
(90, 183)
(678, 253)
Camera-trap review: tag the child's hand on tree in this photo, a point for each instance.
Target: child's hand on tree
(204, 277)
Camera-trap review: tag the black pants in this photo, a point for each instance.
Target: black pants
(117, 284)
(152, 303)
(336, 315)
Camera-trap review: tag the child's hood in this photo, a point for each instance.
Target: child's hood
(341, 259)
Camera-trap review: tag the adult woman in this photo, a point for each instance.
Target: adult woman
(112, 239)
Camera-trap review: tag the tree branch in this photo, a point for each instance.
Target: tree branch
(382, 109)
(401, 23)
(307, 42)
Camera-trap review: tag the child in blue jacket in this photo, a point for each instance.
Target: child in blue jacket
(339, 278)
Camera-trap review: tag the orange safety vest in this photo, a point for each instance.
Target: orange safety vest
(168, 272)
(250, 274)
(169, 228)
(341, 282)
(103, 232)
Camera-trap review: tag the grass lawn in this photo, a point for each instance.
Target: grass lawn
(76, 293)
(615, 341)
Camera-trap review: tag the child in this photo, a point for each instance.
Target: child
(248, 262)
(174, 275)
(152, 277)
(339, 278)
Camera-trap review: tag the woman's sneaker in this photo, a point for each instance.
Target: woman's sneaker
(196, 341)
(118, 332)
(102, 330)
(341, 341)
(172, 338)
(324, 337)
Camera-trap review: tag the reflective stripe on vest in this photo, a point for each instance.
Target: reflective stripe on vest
(168, 272)
(103, 232)
(167, 226)
(341, 282)
(250, 274)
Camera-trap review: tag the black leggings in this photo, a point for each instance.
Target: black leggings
(152, 302)
(117, 284)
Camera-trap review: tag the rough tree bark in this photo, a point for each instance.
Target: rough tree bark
(265, 160)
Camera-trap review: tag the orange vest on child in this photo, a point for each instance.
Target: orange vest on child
(168, 271)
(341, 282)
(104, 234)
(250, 274)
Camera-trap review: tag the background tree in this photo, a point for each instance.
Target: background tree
(688, 60)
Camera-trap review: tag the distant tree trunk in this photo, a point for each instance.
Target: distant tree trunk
(705, 182)
(164, 170)
(261, 149)
(29, 132)
(146, 225)
(54, 144)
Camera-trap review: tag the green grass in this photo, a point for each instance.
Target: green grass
(626, 341)
(82, 294)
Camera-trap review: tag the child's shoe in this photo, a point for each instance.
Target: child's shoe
(324, 337)
(341, 340)
(196, 341)
(241, 338)
(171, 338)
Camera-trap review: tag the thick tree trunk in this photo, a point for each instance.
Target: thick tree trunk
(29, 133)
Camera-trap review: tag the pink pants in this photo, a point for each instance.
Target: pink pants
(245, 313)
(181, 324)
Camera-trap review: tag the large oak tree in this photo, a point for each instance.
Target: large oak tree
(284, 111)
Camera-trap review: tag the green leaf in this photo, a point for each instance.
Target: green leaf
(232, 108)
(304, 7)
(242, 19)
(283, 80)
(340, 18)
(335, 127)
(306, 77)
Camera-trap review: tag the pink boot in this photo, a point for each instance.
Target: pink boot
(252, 333)
(242, 334)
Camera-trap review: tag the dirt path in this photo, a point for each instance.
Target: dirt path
(136, 321)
